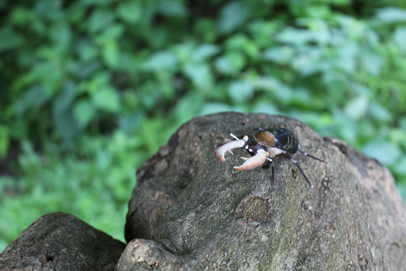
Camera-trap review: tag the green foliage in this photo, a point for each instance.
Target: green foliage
(98, 86)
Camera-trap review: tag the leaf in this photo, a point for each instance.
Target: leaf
(9, 39)
(371, 62)
(391, 15)
(171, 8)
(379, 112)
(215, 107)
(400, 37)
(199, 74)
(241, 91)
(265, 107)
(130, 123)
(399, 168)
(205, 51)
(64, 121)
(233, 15)
(83, 112)
(106, 99)
(295, 36)
(111, 53)
(130, 11)
(163, 60)
(100, 19)
(357, 107)
(385, 152)
(4, 140)
(231, 63)
(279, 54)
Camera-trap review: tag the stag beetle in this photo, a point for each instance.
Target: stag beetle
(265, 145)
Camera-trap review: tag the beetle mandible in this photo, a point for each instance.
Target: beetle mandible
(263, 146)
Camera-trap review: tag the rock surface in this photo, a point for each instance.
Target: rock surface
(61, 241)
(189, 211)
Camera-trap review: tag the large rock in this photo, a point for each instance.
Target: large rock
(189, 211)
(61, 241)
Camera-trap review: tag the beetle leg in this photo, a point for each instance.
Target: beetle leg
(254, 161)
(309, 155)
(220, 151)
(273, 172)
(301, 171)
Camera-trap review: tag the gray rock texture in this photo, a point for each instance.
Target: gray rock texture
(189, 211)
(61, 241)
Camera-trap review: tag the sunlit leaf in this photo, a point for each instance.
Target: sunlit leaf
(357, 107)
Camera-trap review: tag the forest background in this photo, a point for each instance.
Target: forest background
(91, 88)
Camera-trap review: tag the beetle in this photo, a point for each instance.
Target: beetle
(264, 146)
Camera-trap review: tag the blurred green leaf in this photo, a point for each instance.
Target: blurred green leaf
(63, 118)
(240, 91)
(400, 37)
(295, 36)
(357, 107)
(161, 61)
(9, 39)
(130, 123)
(391, 15)
(106, 99)
(371, 62)
(385, 152)
(171, 8)
(265, 107)
(233, 15)
(379, 112)
(84, 112)
(111, 54)
(99, 19)
(205, 51)
(400, 168)
(230, 64)
(199, 74)
(282, 54)
(129, 11)
(212, 108)
(4, 140)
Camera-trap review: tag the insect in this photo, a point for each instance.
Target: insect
(264, 146)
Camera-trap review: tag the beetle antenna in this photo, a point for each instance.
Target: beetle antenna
(301, 171)
(309, 155)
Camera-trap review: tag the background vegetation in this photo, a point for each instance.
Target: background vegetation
(91, 89)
